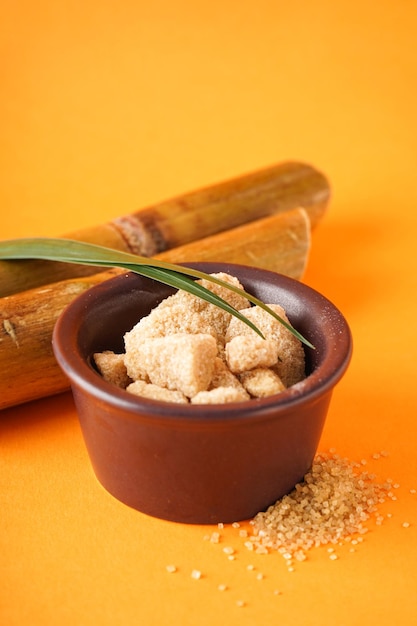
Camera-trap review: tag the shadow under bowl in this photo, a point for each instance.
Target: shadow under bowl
(199, 464)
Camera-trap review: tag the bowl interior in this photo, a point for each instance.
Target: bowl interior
(98, 319)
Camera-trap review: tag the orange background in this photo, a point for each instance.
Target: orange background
(110, 106)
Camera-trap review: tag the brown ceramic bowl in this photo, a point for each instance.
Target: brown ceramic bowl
(196, 463)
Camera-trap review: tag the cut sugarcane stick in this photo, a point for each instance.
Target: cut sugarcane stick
(28, 369)
(280, 243)
(185, 219)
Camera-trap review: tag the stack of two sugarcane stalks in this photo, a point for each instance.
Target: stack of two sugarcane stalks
(263, 219)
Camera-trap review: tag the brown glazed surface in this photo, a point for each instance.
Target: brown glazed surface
(195, 463)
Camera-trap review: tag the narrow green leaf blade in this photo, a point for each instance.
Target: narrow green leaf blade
(71, 251)
(174, 279)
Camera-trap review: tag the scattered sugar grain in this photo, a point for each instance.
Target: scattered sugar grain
(171, 569)
(240, 603)
(196, 574)
(250, 567)
(259, 576)
(235, 525)
(222, 587)
(406, 524)
(228, 550)
(333, 503)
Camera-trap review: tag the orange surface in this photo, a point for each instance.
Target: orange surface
(109, 106)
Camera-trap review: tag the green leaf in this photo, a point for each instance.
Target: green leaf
(177, 276)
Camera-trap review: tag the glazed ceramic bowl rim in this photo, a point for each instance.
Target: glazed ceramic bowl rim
(317, 383)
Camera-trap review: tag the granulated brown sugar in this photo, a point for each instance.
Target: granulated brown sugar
(330, 507)
(331, 504)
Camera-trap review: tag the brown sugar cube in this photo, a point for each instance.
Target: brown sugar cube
(290, 365)
(214, 319)
(220, 395)
(261, 382)
(150, 327)
(112, 368)
(223, 377)
(155, 392)
(268, 325)
(171, 317)
(184, 313)
(245, 352)
(178, 362)
(234, 299)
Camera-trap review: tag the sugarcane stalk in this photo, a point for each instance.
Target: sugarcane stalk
(185, 219)
(28, 369)
(280, 243)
